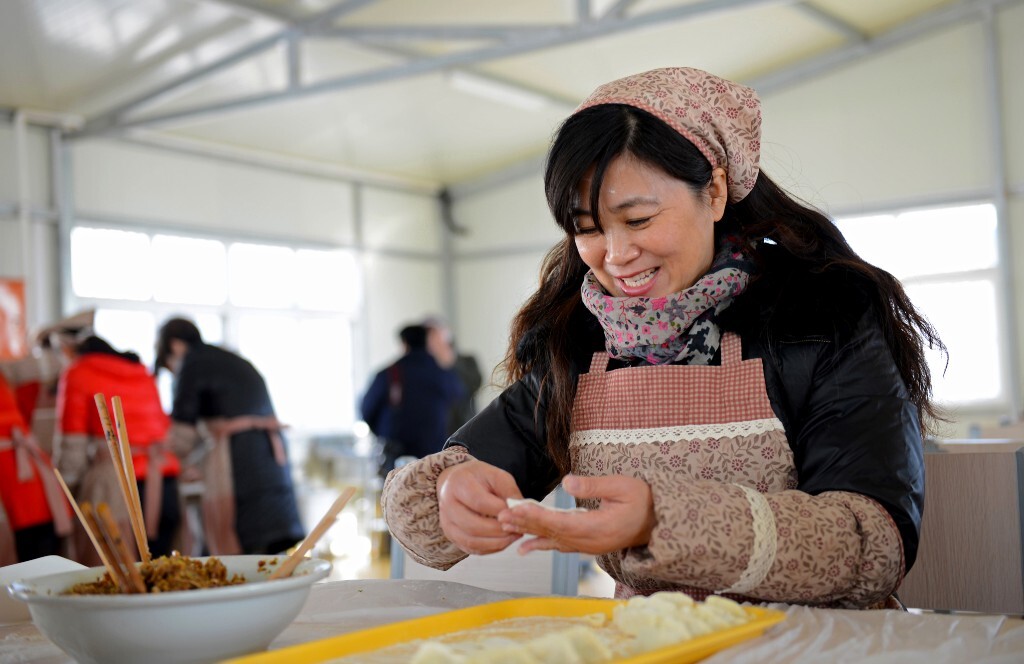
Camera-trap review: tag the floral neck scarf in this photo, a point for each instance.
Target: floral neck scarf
(681, 327)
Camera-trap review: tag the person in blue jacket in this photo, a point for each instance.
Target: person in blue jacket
(407, 403)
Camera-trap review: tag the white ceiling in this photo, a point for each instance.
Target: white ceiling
(374, 87)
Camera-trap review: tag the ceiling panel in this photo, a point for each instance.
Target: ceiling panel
(877, 16)
(404, 128)
(85, 55)
(407, 88)
(463, 12)
(737, 45)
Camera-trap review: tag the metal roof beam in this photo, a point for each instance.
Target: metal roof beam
(407, 54)
(583, 11)
(111, 118)
(246, 10)
(934, 20)
(542, 35)
(293, 62)
(618, 10)
(832, 21)
(278, 162)
(545, 39)
(788, 76)
(441, 32)
(102, 87)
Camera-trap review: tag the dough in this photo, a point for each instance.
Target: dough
(666, 618)
(516, 654)
(515, 502)
(434, 652)
(641, 623)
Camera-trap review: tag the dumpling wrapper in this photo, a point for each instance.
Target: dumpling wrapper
(515, 502)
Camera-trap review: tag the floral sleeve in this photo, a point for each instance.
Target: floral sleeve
(409, 503)
(837, 548)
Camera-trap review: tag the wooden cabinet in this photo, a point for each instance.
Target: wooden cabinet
(970, 555)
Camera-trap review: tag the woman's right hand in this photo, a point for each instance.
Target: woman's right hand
(470, 495)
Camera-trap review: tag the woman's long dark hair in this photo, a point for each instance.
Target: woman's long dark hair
(545, 332)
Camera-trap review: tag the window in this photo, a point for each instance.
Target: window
(110, 264)
(947, 259)
(189, 270)
(261, 275)
(287, 309)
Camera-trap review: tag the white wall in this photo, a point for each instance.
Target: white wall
(498, 261)
(400, 291)
(909, 124)
(906, 124)
(399, 221)
(404, 278)
(1010, 30)
(38, 166)
(491, 289)
(15, 261)
(145, 184)
(510, 218)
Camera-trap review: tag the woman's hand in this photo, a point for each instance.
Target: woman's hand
(470, 495)
(624, 519)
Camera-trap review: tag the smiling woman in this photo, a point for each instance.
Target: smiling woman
(733, 394)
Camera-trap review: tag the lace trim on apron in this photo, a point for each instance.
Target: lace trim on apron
(683, 432)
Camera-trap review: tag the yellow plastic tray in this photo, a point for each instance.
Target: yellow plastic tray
(472, 617)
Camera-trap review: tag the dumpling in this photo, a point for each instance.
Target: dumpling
(434, 652)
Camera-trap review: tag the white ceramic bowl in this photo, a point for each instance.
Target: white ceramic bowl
(189, 626)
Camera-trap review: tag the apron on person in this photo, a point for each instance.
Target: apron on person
(218, 500)
(669, 424)
(101, 483)
(33, 495)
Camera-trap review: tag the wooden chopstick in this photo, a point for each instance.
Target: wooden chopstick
(85, 524)
(129, 466)
(106, 537)
(113, 568)
(110, 530)
(113, 444)
(289, 565)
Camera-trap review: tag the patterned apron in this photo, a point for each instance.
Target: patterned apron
(670, 424)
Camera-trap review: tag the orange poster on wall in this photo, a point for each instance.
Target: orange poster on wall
(13, 335)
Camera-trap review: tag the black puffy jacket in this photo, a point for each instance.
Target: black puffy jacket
(830, 377)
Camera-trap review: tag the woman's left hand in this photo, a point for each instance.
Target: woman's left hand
(624, 519)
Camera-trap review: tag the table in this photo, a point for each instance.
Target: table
(807, 635)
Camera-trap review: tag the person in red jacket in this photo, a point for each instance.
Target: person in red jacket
(37, 512)
(81, 453)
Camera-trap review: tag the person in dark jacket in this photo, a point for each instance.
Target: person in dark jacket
(407, 404)
(733, 394)
(221, 401)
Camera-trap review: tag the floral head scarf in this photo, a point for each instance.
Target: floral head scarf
(721, 118)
